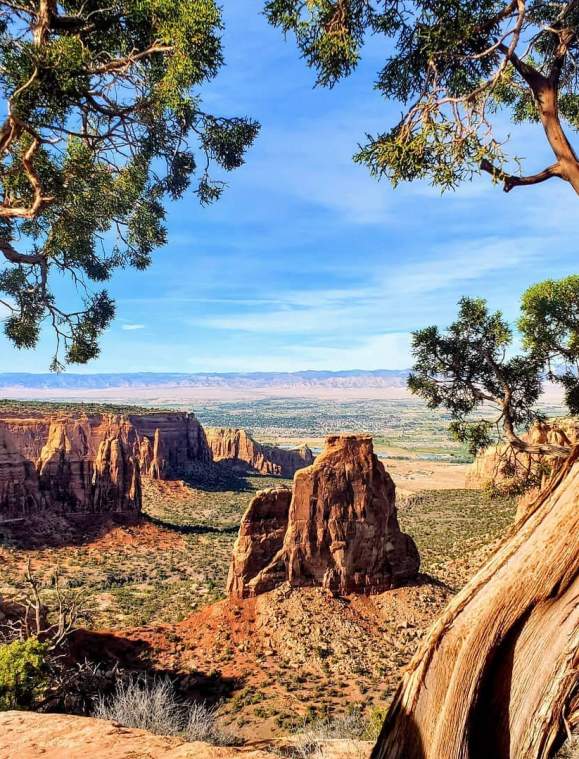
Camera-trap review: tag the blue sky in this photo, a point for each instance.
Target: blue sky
(307, 262)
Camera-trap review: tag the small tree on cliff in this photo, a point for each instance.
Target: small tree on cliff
(103, 112)
(468, 369)
(456, 66)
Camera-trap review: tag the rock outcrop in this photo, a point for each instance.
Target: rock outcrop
(29, 735)
(237, 446)
(19, 485)
(261, 535)
(342, 530)
(79, 462)
(169, 444)
(500, 467)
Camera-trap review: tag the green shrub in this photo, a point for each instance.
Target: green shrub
(22, 673)
(375, 721)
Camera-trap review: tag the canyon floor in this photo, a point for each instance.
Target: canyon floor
(155, 591)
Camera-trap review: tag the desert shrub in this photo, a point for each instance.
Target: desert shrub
(374, 723)
(23, 676)
(202, 725)
(154, 706)
(309, 741)
(151, 706)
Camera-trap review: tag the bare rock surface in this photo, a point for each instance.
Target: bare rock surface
(19, 484)
(169, 444)
(77, 463)
(67, 465)
(342, 529)
(237, 445)
(29, 735)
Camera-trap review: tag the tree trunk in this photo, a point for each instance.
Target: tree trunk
(549, 115)
(497, 674)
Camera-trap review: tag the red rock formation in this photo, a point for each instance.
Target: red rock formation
(169, 444)
(501, 467)
(342, 529)
(261, 536)
(84, 465)
(236, 445)
(19, 486)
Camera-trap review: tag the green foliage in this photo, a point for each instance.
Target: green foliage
(470, 367)
(466, 369)
(105, 124)
(22, 673)
(374, 723)
(550, 327)
(453, 65)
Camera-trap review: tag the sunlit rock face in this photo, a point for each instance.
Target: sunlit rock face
(341, 530)
(228, 444)
(261, 536)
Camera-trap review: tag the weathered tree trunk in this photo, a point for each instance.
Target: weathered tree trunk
(497, 674)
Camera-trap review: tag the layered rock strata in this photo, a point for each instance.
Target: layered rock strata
(342, 530)
(261, 535)
(81, 468)
(236, 445)
(76, 462)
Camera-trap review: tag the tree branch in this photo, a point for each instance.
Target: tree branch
(510, 180)
(12, 255)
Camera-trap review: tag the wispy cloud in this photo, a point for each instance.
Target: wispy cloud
(131, 327)
(389, 297)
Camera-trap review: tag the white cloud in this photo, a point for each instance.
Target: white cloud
(388, 298)
(391, 350)
(131, 327)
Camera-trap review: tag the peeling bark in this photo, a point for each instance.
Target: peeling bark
(497, 674)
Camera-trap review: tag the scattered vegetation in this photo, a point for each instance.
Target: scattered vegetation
(23, 673)
(153, 705)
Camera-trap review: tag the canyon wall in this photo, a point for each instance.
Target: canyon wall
(236, 445)
(91, 463)
(76, 462)
(340, 528)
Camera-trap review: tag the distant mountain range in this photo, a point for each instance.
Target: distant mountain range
(69, 381)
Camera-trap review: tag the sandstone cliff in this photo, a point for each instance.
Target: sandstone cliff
(19, 485)
(342, 530)
(168, 444)
(500, 467)
(236, 445)
(81, 465)
(86, 463)
(78, 462)
(261, 535)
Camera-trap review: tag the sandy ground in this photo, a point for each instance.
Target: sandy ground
(414, 475)
(177, 395)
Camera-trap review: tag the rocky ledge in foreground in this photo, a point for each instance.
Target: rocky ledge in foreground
(338, 530)
(28, 735)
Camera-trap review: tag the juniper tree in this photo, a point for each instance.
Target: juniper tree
(104, 123)
(457, 66)
(550, 327)
(491, 394)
